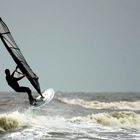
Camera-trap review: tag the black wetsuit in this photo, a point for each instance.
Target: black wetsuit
(13, 83)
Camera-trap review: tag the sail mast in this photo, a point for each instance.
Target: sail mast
(17, 56)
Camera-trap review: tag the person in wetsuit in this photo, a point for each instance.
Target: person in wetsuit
(13, 83)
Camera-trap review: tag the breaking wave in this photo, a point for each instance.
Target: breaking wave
(117, 119)
(15, 121)
(103, 105)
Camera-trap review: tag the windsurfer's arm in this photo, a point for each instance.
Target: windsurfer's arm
(14, 71)
(19, 78)
(23, 75)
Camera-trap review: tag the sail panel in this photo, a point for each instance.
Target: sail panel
(17, 56)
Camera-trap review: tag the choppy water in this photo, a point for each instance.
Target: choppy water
(71, 116)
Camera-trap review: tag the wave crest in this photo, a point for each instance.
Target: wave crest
(121, 119)
(8, 122)
(103, 105)
(12, 121)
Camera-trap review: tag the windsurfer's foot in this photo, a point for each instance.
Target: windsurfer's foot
(33, 102)
(42, 97)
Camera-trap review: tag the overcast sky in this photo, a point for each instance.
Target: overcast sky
(76, 45)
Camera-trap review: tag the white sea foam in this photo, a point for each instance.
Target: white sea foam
(39, 126)
(48, 127)
(16, 120)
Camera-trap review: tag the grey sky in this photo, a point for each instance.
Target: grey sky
(76, 45)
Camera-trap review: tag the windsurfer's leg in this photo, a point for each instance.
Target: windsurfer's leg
(41, 95)
(26, 89)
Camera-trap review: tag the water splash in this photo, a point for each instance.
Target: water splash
(14, 121)
(9, 122)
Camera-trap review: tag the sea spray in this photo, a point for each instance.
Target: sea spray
(117, 119)
(13, 121)
(8, 122)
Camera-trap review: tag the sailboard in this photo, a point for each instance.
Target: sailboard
(17, 56)
(48, 96)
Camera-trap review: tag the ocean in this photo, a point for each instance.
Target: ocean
(71, 116)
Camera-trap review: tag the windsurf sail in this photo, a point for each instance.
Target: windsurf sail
(17, 56)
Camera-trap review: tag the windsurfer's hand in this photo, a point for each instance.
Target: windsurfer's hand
(16, 67)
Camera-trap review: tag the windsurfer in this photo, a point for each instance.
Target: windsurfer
(13, 83)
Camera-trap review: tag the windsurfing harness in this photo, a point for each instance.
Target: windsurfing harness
(17, 56)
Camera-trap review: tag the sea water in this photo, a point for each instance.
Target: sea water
(71, 116)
